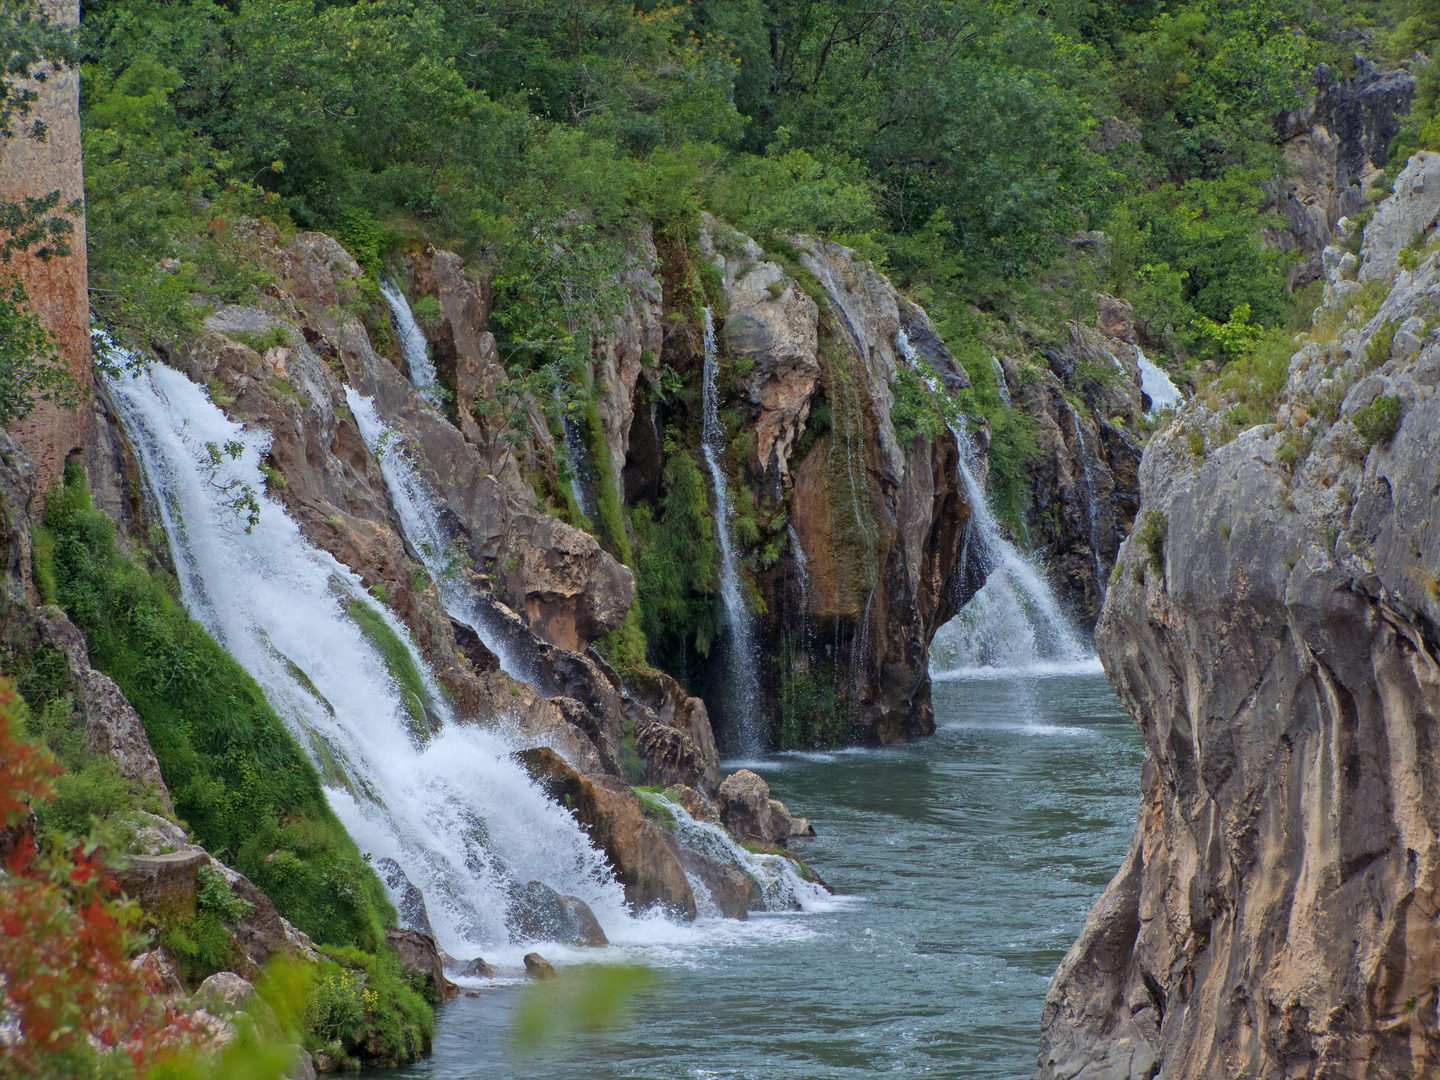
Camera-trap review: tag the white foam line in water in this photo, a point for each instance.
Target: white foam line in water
(1038, 670)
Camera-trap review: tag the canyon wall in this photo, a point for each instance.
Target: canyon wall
(1274, 629)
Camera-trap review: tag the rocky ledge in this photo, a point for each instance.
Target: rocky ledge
(1274, 629)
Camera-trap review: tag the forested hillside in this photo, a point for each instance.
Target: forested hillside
(957, 145)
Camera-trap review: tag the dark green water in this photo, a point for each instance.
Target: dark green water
(966, 865)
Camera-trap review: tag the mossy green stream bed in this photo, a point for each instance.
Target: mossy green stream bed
(965, 865)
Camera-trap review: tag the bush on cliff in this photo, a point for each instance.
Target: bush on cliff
(237, 777)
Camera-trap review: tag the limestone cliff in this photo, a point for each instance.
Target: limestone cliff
(1275, 631)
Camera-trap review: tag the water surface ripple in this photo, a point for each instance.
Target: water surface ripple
(968, 861)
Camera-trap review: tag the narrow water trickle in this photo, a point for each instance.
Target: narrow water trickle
(1090, 510)
(413, 346)
(444, 800)
(422, 520)
(577, 456)
(744, 691)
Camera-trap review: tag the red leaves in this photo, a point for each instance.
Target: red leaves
(65, 939)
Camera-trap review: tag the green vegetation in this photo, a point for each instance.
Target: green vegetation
(236, 776)
(1380, 420)
(1152, 538)
(399, 661)
(810, 714)
(678, 568)
(360, 1004)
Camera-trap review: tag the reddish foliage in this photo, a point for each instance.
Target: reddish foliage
(65, 941)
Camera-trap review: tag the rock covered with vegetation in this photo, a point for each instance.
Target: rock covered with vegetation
(1274, 627)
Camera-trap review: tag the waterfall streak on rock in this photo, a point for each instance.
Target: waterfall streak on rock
(1156, 384)
(412, 344)
(1090, 511)
(744, 697)
(422, 522)
(461, 818)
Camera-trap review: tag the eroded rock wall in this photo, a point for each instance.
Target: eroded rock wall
(1275, 632)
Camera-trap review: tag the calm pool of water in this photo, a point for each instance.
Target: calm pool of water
(965, 864)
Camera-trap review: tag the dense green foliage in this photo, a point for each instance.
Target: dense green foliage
(678, 568)
(362, 1006)
(236, 776)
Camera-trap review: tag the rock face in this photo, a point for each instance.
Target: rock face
(879, 526)
(1335, 144)
(747, 810)
(419, 956)
(1278, 642)
(1084, 480)
(646, 859)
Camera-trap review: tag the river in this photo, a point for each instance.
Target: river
(964, 866)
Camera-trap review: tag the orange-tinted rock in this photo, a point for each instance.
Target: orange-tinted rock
(58, 288)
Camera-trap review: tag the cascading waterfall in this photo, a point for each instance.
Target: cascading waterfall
(1014, 623)
(1100, 582)
(781, 886)
(1001, 387)
(422, 521)
(1157, 386)
(744, 698)
(577, 456)
(462, 819)
(413, 345)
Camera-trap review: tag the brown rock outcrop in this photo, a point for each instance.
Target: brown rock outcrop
(419, 956)
(748, 811)
(880, 525)
(646, 859)
(1278, 643)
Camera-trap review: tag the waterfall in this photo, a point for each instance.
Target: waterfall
(1000, 385)
(1100, 582)
(422, 520)
(1014, 624)
(1156, 384)
(413, 346)
(463, 820)
(577, 456)
(781, 886)
(744, 698)
(802, 574)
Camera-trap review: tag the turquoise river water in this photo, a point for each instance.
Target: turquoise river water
(964, 866)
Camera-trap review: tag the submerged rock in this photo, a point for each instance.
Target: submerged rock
(539, 913)
(478, 969)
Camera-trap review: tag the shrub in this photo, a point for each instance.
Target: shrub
(236, 775)
(396, 1024)
(1152, 538)
(1377, 349)
(1380, 420)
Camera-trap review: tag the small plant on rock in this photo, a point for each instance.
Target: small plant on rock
(1380, 420)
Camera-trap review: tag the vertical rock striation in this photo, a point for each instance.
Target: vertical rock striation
(1275, 631)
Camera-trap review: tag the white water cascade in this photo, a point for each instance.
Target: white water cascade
(412, 344)
(1163, 393)
(422, 522)
(1014, 624)
(462, 819)
(744, 698)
